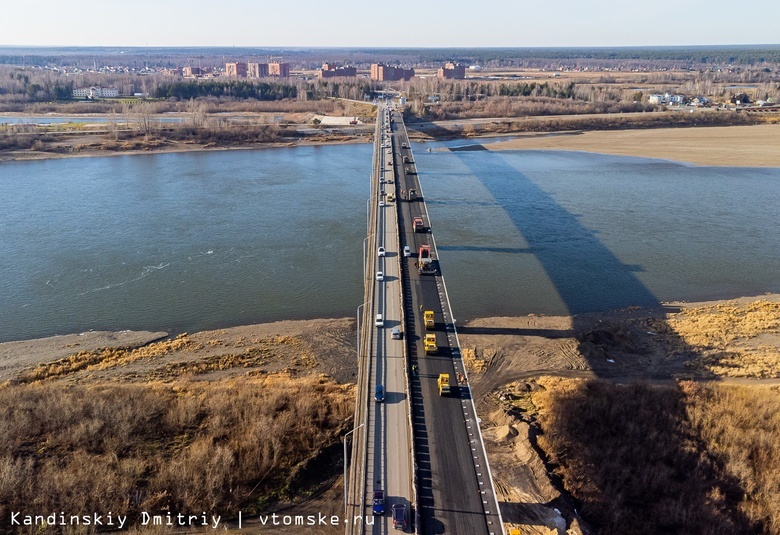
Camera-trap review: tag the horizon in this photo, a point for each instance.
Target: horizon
(356, 24)
(401, 48)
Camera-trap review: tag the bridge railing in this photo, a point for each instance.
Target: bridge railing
(357, 475)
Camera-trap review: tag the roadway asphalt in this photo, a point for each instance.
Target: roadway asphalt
(456, 495)
(389, 456)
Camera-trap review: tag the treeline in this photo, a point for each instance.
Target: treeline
(746, 55)
(18, 85)
(460, 90)
(522, 107)
(541, 90)
(354, 89)
(85, 57)
(233, 88)
(25, 84)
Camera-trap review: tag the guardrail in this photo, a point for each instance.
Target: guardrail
(357, 475)
(369, 295)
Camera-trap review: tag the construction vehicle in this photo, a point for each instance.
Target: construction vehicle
(444, 384)
(428, 319)
(425, 260)
(429, 343)
(419, 225)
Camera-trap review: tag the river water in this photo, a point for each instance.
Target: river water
(191, 241)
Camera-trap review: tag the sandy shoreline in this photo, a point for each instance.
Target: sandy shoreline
(727, 146)
(331, 336)
(173, 147)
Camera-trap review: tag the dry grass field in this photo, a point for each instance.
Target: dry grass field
(183, 446)
(732, 339)
(637, 421)
(593, 421)
(220, 421)
(689, 458)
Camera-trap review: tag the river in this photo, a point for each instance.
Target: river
(200, 240)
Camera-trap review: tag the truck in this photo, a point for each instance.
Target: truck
(429, 343)
(444, 384)
(425, 260)
(419, 225)
(428, 319)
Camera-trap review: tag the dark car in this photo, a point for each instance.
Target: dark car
(400, 516)
(379, 394)
(378, 506)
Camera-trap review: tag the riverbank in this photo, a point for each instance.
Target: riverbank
(732, 146)
(523, 371)
(727, 146)
(736, 338)
(88, 148)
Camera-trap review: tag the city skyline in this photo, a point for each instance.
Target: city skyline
(352, 23)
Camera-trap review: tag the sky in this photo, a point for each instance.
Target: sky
(391, 23)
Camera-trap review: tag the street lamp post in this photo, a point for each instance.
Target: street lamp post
(345, 464)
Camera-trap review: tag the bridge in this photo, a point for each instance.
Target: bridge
(418, 461)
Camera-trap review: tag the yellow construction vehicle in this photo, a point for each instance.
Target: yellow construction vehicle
(430, 344)
(444, 384)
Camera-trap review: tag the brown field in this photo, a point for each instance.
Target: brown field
(741, 146)
(731, 339)
(688, 458)
(622, 422)
(636, 421)
(221, 447)
(247, 418)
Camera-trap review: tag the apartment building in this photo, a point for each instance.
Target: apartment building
(235, 69)
(330, 70)
(382, 72)
(257, 70)
(278, 69)
(452, 71)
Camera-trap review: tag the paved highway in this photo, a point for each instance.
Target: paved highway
(390, 444)
(455, 487)
(411, 427)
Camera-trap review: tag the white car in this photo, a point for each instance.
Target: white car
(381, 204)
(381, 251)
(380, 276)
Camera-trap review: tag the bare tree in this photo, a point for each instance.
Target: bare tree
(197, 111)
(144, 116)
